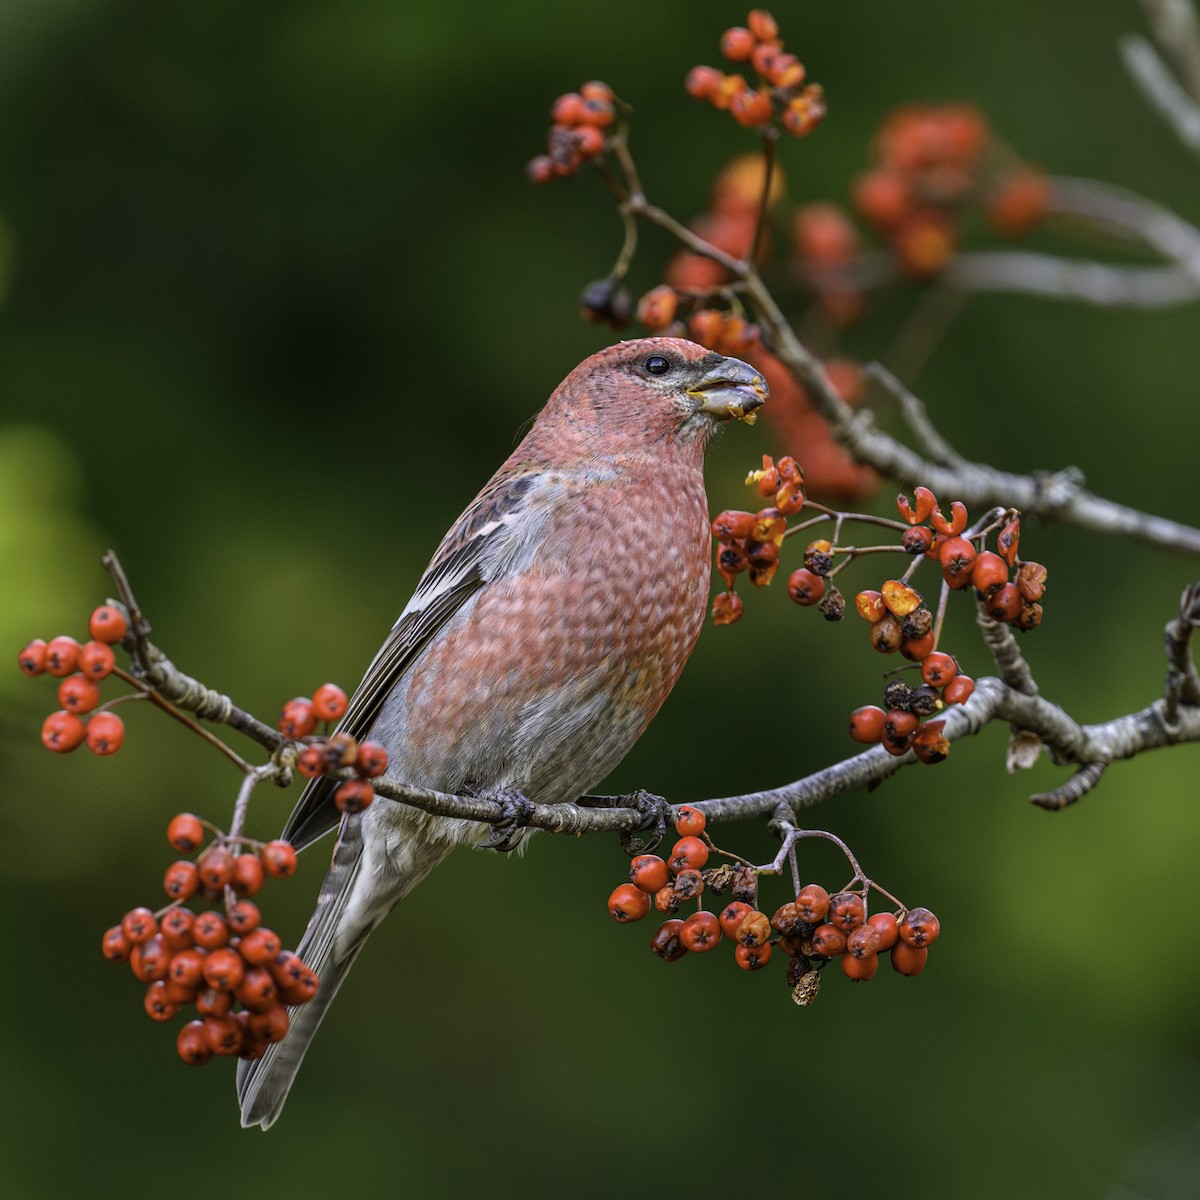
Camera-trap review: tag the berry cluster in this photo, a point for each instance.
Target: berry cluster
(82, 668)
(222, 960)
(778, 91)
(930, 164)
(811, 931)
(577, 134)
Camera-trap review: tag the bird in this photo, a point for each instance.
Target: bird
(553, 620)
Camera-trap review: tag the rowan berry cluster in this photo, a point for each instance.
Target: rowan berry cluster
(82, 668)
(811, 931)
(931, 163)
(222, 960)
(578, 133)
(778, 90)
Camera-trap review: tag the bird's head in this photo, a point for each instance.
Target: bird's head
(640, 392)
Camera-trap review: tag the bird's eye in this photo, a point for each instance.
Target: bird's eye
(657, 365)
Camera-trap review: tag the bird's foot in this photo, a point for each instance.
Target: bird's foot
(656, 812)
(508, 832)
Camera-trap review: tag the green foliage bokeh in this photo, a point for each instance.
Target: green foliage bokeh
(277, 299)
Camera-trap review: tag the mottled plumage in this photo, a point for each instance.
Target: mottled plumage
(547, 631)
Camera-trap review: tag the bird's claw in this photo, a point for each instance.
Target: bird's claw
(656, 812)
(508, 832)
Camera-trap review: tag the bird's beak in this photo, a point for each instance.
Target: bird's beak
(729, 388)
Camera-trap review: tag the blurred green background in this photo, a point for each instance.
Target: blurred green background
(278, 301)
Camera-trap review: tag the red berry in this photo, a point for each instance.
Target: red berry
(223, 1034)
(752, 958)
(224, 968)
(909, 960)
(888, 928)
(62, 732)
(187, 968)
(279, 859)
(737, 44)
(702, 82)
(185, 833)
(139, 925)
(372, 760)
(158, 1005)
(751, 108)
(210, 931)
(105, 733)
(353, 796)
(958, 690)
(701, 932)
(688, 853)
(732, 915)
(937, 669)
(919, 927)
(257, 991)
(62, 656)
(216, 868)
(866, 724)
(181, 880)
(192, 1044)
(32, 660)
(244, 916)
(1004, 604)
(812, 903)
(108, 624)
(176, 928)
(270, 1025)
(989, 573)
(847, 911)
(115, 946)
(690, 821)
(248, 874)
(804, 587)
(860, 969)
(864, 942)
(311, 762)
(828, 941)
(298, 718)
(957, 557)
(78, 694)
(149, 959)
(213, 1002)
(330, 702)
(96, 660)
(260, 947)
(628, 903)
(649, 873)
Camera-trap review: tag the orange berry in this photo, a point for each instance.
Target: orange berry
(1018, 202)
(210, 931)
(702, 82)
(667, 900)
(689, 883)
(888, 928)
(701, 932)
(732, 915)
(108, 624)
(828, 941)
(937, 669)
(957, 557)
(139, 925)
(628, 903)
(649, 873)
(63, 732)
(279, 859)
(762, 25)
(96, 661)
(919, 927)
(568, 109)
(270, 1025)
(330, 702)
(298, 718)
(32, 660)
(257, 991)
(860, 969)
(213, 1002)
(657, 308)
(804, 587)
(62, 656)
(824, 235)
(726, 608)
(597, 89)
(1004, 604)
(988, 574)
(176, 929)
(870, 606)
(847, 911)
(918, 649)
(737, 44)
(115, 946)
(866, 724)
(372, 760)
(353, 796)
(185, 833)
(755, 929)
(215, 867)
(223, 1034)
(688, 852)
(812, 903)
(186, 969)
(244, 917)
(78, 694)
(909, 960)
(224, 969)
(752, 958)
(149, 959)
(751, 108)
(864, 942)
(690, 821)
(105, 733)
(192, 1044)
(247, 875)
(181, 880)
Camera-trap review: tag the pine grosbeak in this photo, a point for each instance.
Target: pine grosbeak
(545, 634)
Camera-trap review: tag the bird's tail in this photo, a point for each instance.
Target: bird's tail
(353, 900)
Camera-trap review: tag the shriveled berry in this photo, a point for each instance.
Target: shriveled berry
(1031, 581)
(887, 634)
(667, 900)
(864, 942)
(726, 608)
(755, 930)
(628, 903)
(689, 883)
(666, 942)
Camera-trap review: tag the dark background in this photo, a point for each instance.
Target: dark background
(278, 301)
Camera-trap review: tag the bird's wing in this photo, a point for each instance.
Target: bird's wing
(491, 537)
